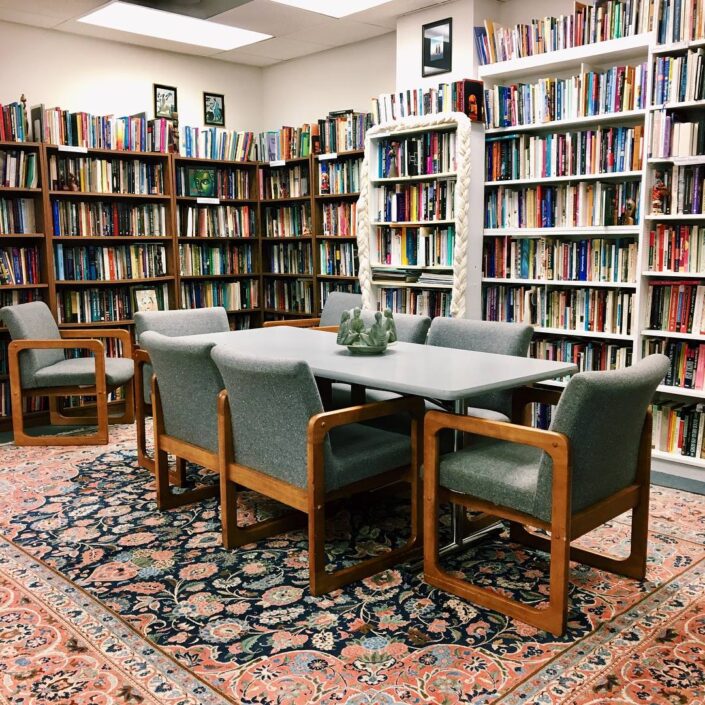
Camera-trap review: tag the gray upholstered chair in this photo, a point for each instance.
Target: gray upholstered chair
(336, 303)
(276, 439)
(591, 466)
(185, 388)
(38, 367)
(172, 323)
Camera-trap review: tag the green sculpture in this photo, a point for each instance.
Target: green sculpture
(366, 341)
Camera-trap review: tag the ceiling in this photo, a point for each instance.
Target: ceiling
(295, 32)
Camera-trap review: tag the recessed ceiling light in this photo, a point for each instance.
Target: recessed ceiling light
(168, 25)
(333, 8)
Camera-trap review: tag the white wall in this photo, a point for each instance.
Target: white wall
(305, 89)
(103, 77)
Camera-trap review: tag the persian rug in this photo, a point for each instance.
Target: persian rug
(104, 600)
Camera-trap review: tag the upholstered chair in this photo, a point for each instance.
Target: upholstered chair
(336, 303)
(185, 388)
(592, 465)
(276, 439)
(172, 323)
(38, 367)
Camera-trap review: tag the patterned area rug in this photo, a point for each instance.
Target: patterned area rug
(105, 600)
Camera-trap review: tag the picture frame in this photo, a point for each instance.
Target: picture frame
(145, 299)
(214, 109)
(165, 101)
(201, 181)
(474, 97)
(437, 47)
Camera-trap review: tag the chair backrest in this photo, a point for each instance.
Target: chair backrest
(271, 402)
(32, 321)
(487, 337)
(602, 414)
(194, 321)
(336, 303)
(410, 327)
(189, 384)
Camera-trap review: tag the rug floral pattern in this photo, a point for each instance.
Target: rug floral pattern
(245, 622)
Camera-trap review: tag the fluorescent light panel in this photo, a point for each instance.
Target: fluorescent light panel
(168, 25)
(333, 8)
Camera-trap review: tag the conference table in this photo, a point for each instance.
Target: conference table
(447, 375)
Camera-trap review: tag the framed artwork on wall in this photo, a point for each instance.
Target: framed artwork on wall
(165, 105)
(437, 47)
(214, 109)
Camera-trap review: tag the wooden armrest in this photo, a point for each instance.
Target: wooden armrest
(77, 344)
(119, 333)
(321, 424)
(140, 355)
(524, 396)
(296, 323)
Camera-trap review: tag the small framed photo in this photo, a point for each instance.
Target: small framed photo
(474, 96)
(146, 299)
(437, 47)
(214, 109)
(201, 181)
(164, 101)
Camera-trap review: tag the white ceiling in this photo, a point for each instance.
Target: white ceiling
(295, 32)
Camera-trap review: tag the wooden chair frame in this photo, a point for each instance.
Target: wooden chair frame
(312, 499)
(85, 339)
(142, 409)
(564, 526)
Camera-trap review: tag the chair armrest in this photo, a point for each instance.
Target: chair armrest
(296, 323)
(119, 333)
(524, 396)
(140, 355)
(326, 329)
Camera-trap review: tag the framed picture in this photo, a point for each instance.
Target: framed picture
(437, 47)
(146, 299)
(214, 109)
(474, 96)
(164, 101)
(201, 181)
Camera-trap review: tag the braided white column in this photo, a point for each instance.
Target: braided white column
(461, 204)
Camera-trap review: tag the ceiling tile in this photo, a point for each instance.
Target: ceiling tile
(30, 18)
(64, 10)
(269, 17)
(338, 32)
(239, 56)
(284, 48)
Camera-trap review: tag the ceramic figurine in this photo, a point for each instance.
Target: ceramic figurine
(389, 326)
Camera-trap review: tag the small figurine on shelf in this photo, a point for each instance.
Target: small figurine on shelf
(658, 194)
(174, 134)
(389, 326)
(343, 328)
(72, 183)
(391, 159)
(627, 217)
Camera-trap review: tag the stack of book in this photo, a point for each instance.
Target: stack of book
(285, 143)
(217, 143)
(341, 131)
(13, 123)
(681, 20)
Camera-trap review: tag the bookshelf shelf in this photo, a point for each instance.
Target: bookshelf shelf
(288, 199)
(587, 231)
(396, 283)
(336, 237)
(333, 277)
(683, 217)
(285, 275)
(17, 287)
(681, 391)
(678, 47)
(284, 312)
(215, 201)
(414, 223)
(682, 105)
(111, 282)
(22, 236)
(678, 458)
(93, 239)
(208, 160)
(608, 176)
(679, 161)
(110, 196)
(199, 277)
(292, 238)
(337, 196)
(421, 177)
(561, 283)
(17, 191)
(215, 240)
(674, 275)
(649, 333)
(625, 117)
(431, 268)
(115, 153)
(582, 334)
(99, 324)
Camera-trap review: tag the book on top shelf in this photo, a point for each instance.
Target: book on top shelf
(13, 122)
(681, 21)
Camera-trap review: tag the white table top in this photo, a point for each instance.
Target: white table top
(424, 370)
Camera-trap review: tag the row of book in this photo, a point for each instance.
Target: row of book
(432, 152)
(291, 181)
(112, 175)
(342, 131)
(13, 123)
(679, 79)
(337, 259)
(199, 260)
(286, 143)
(418, 247)
(588, 355)
(326, 287)
(605, 150)
(287, 221)
(216, 221)
(677, 249)
(218, 143)
(103, 303)
(679, 428)
(680, 190)
(294, 295)
(108, 219)
(676, 306)
(687, 362)
(338, 219)
(213, 182)
(290, 258)
(19, 169)
(596, 260)
(19, 265)
(20, 296)
(681, 20)
(17, 216)
(427, 201)
(587, 24)
(341, 177)
(421, 302)
(584, 310)
(29, 404)
(109, 263)
(674, 137)
(586, 94)
(233, 296)
(573, 205)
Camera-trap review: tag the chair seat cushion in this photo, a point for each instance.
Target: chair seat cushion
(360, 451)
(496, 471)
(80, 371)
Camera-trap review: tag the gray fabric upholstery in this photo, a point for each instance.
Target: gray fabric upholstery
(81, 371)
(488, 337)
(410, 327)
(32, 321)
(601, 413)
(271, 402)
(336, 303)
(195, 321)
(189, 384)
